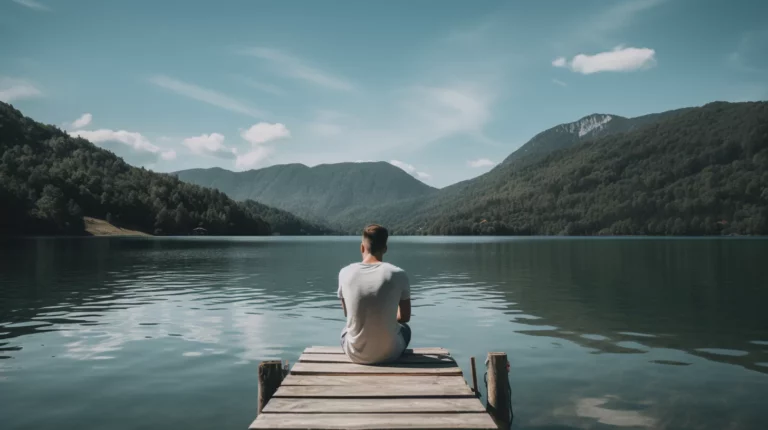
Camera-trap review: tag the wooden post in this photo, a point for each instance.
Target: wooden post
(474, 376)
(499, 402)
(270, 378)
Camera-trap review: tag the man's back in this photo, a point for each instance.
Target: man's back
(371, 293)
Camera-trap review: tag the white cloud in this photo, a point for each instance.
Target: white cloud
(134, 140)
(32, 4)
(17, 89)
(84, 120)
(620, 59)
(298, 69)
(253, 158)
(410, 169)
(480, 162)
(206, 96)
(264, 132)
(210, 144)
(559, 82)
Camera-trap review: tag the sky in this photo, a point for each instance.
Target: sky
(442, 89)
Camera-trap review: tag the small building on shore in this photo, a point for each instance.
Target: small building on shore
(199, 231)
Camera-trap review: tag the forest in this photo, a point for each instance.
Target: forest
(701, 172)
(50, 180)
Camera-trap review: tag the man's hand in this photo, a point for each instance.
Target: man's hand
(404, 311)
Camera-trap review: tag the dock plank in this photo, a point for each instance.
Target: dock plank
(466, 421)
(393, 406)
(373, 391)
(350, 380)
(359, 369)
(410, 351)
(405, 359)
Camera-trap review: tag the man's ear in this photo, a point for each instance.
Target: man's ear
(384, 251)
(362, 248)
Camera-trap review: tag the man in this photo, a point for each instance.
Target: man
(376, 298)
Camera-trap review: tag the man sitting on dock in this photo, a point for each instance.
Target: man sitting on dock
(376, 298)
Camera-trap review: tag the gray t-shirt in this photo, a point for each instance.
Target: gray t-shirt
(371, 293)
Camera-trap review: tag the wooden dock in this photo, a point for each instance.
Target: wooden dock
(425, 389)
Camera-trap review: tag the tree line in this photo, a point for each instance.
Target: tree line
(50, 180)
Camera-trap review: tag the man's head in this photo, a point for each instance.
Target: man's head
(374, 240)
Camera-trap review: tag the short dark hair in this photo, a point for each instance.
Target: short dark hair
(376, 236)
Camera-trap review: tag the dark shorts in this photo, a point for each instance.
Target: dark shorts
(405, 332)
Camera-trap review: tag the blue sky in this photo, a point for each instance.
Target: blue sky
(443, 89)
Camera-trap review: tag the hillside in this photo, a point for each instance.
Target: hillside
(587, 128)
(701, 171)
(49, 181)
(323, 192)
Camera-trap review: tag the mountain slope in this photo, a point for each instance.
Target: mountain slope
(700, 171)
(590, 127)
(50, 180)
(322, 192)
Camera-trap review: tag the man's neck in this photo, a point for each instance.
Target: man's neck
(372, 259)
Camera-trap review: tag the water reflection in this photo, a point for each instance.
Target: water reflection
(601, 333)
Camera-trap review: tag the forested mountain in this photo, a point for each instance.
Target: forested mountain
(587, 128)
(700, 171)
(323, 192)
(50, 180)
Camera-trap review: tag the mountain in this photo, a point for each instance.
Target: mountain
(589, 127)
(49, 181)
(324, 192)
(697, 171)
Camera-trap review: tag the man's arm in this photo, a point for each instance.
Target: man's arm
(404, 311)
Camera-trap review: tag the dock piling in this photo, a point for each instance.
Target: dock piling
(499, 393)
(270, 377)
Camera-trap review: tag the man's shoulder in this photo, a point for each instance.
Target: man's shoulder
(392, 268)
(348, 268)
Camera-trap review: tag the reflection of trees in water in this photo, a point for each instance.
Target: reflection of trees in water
(703, 296)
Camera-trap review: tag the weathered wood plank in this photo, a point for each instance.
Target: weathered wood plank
(337, 350)
(348, 380)
(358, 369)
(405, 359)
(372, 391)
(468, 421)
(352, 406)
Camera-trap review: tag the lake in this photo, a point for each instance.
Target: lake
(128, 333)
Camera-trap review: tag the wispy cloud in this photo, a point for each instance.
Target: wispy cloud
(206, 95)
(599, 29)
(620, 59)
(32, 4)
(83, 121)
(411, 170)
(262, 86)
(12, 89)
(299, 69)
(480, 162)
(132, 139)
(210, 144)
(749, 55)
(559, 82)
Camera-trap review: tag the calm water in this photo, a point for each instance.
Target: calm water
(167, 333)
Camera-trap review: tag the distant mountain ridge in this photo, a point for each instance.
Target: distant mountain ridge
(319, 193)
(589, 127)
